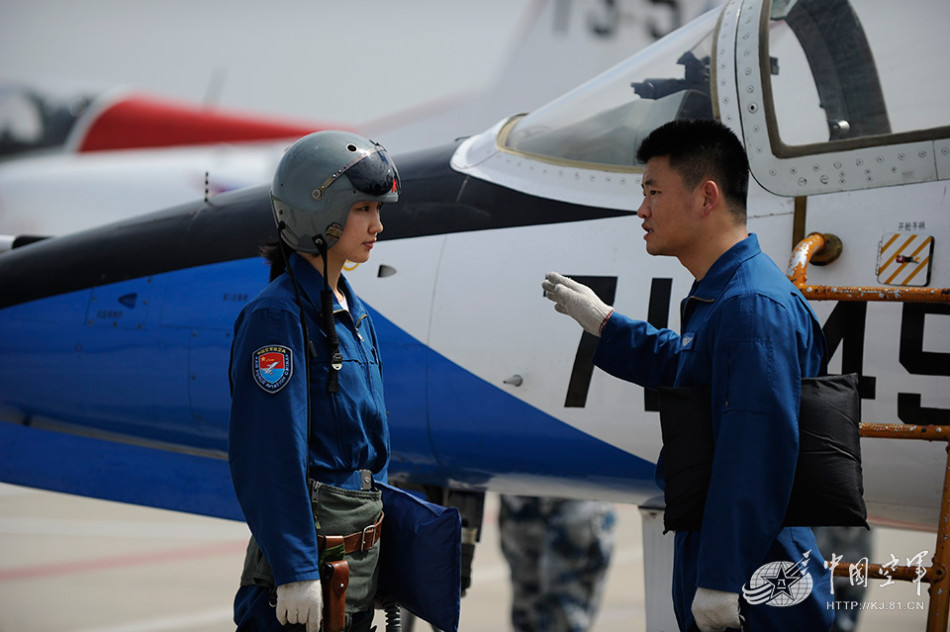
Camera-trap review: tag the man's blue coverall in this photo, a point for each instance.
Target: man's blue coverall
(751, 336)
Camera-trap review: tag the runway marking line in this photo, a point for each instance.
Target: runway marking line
(121, 561)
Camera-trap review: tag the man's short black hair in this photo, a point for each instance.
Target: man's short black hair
(700, 149)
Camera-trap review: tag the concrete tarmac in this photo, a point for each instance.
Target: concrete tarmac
(71, 564)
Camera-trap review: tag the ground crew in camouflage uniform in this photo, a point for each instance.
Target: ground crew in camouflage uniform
(558, 551)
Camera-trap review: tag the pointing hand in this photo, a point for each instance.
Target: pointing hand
(577, 301)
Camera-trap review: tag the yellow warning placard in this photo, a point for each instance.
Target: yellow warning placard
(904, 259)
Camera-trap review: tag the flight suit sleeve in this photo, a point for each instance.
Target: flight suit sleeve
(756, 385)
(638, 352)
(268, 443)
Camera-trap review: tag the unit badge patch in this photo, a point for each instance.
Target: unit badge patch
(272, 367)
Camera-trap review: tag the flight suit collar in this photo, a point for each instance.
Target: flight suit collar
(711, 286)
(311, 283)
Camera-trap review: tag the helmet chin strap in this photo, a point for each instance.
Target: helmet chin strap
(329, 323)
(308, 343)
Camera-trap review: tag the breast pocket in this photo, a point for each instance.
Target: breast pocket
(694, 361)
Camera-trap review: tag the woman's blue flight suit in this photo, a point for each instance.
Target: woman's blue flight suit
(750, 335)
(268, 432)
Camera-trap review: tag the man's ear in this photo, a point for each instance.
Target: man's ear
(711, 196)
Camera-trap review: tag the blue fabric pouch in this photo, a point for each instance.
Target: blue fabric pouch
(420, 558)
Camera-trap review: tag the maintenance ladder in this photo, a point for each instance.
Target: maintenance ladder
(825, 248)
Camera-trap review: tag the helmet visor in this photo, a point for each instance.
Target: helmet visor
(371, 173)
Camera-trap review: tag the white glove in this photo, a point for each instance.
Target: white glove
(715, 610)
(300, 602)
(577, 301)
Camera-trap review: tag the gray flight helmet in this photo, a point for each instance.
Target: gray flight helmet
(319, 179)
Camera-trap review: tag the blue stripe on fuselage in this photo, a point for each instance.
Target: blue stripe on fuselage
(448, 425)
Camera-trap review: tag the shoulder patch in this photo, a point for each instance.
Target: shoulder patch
(272, 367)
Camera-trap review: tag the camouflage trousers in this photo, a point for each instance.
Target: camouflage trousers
(852, 544)
(558, 552)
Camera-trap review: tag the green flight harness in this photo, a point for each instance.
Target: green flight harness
(341, 517)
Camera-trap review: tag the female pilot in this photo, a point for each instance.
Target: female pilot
(308, 427)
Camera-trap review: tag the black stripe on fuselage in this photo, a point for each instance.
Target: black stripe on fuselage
(435, 200)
